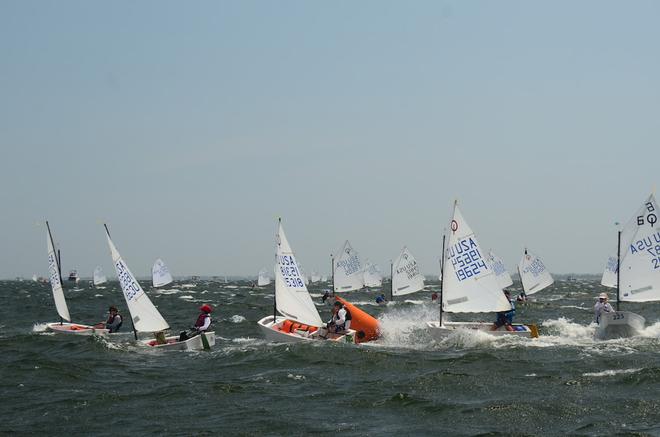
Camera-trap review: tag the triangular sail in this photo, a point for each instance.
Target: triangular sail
(99, 277)
(469, 284)
(640, 255)
(263, 278)
(291, 296)
(610, 272)
(347, 270)
(160, 274)
(146, 317)
(55, 278)
(315, 277)
(503, 276)
(533, 273)
(371, 276)
(406, 277)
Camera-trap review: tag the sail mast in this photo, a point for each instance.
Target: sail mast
(392, 280)
(618, 266)
(279, 225)
(332, 269)
(442, 274)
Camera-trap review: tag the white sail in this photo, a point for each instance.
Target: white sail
(292, 299)
(610, 272)
(160, 274)
(406, 277)
(347, 270)
(55, 278)
(533, 273)
(469, 284)
(639, 272)
(503, 276)
(99, 277)
(263, 279)
(315, 277)
(371, 275)
(146, 317)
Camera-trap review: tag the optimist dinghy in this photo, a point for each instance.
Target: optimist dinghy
(300, 320)
(533, 274)
(160, 274)
(55, 274)
(145, 316)
(405, 275)
(637, 272)
(469, 285)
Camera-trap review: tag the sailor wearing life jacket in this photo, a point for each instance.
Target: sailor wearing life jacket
(341, 318)
(204, 319)
(114, 320)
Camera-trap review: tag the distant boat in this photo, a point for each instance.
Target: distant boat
(637, 271)
(263, 278)
(533, 273)
(371, 276)
(315, 277)
(405, 274)
(610, 273)
(347, 270)
(55, 274)
(34, 278)
(301, 320)
(73, 276)
(160, 274)
(501, 273)
(469, 285)
(145, 316)
(98, 277)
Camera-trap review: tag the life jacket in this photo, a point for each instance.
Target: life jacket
(112, 319)
(200, 320)
(348, 314)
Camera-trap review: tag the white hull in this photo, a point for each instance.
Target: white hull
(272, 333)
(75, 329)
(439, 332)
(619, 324)
(195, 343)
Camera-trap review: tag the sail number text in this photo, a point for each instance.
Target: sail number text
(127, 281)
(289, 270)
(466, 259)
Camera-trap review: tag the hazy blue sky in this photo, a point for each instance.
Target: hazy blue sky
(190, 126)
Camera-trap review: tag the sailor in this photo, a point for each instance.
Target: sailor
(114, 320)
(522, 297)
(325, 296)
(381, 299)
(341, 319)
(602, 306)
(505, 318)
(434, 297)
(201, 325)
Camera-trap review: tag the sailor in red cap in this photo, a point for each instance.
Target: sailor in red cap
(201, 325)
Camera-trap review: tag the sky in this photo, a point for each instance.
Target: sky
(190, 127)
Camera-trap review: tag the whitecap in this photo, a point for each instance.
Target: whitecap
(611, 372)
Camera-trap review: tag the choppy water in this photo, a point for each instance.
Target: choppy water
(469, 384)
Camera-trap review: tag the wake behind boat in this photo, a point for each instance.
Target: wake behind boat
(145, 316)
(469, 285)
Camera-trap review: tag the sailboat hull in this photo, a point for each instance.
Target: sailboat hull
(273, 332)
(75, 329)
(619, 324)
(439, 332)
(195, 343)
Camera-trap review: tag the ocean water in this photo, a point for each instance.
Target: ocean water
(564, 383)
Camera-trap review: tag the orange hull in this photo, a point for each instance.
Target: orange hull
(361, 322)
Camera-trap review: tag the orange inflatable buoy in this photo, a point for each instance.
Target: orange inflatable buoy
(366, 326)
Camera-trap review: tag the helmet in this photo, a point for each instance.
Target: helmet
(206, 308)
(602, 296)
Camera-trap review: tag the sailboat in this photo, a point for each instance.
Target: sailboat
(533, 274)
(371, 276)
(315, 277)
(406, 278)
(610, 272)
(501, 273)
(160, 274)
(145, 317)
(347, 270)
(469, 285)
(263, 279)
(638, 267)
(98, 277)
(55, 274)
(300, 320)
